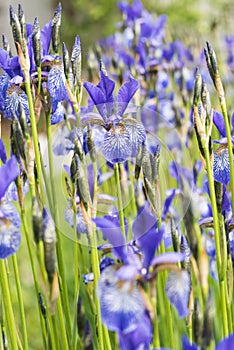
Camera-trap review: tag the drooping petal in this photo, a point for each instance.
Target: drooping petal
(221, 167)
(138, 339)
(57, 83)
(116, 145)
(14, 97)
(9, 238)
(9, 230)
(178, 289)
(122, 306)
(125, 94)
(8, 173)
(58, 112)
(137, 134)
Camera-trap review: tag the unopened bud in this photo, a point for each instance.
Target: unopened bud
(66, 61)
(208, 325)
(49, 241)
(76, 61)
(16, 29)
(36, 220)
(56, 23)
(36, 41)
(6, 45)
(22, 21)
(184, 248)
(197, 321)
(90, 144)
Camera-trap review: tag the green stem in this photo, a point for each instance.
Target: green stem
(120, 202)
(36, 285)
(54, 211)
(221, 273)
(63, 330)
(76, 272)
(230, 146)
(8, 306)
(34, 131)
(21, 303)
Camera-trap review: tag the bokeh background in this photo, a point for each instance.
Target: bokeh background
(189, 20)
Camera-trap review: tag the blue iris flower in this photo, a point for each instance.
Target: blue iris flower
(122, 134)
(9, 218)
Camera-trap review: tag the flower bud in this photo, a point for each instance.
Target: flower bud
(197, 321)
(36, 220)
(208, 326)
(6, 45)
(76, 61)
(22, 21)
(56, 23)
(16, 29)
(36, 41)
(66, 61)
(49, 240)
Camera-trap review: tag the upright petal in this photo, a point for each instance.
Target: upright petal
(3, 156)
(97, 97)
(125, 94)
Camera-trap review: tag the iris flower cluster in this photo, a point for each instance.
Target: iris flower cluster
(150, 250)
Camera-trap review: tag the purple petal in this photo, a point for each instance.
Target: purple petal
(3, 156)
(140, 338)
(178, 289)
(127, 272)
(125, 94)
(187, 345)
(219, 123)
(121, 303)
(170, 257)
(221, 167)
(8, 173)
(168, 202)
(97, 97)
(12, 101)
(144, 222)
(226, 343)
(107, 86)
(111, 231)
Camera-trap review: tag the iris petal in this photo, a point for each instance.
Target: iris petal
(221, 167)
(178, 289)
(122, 306)
(57, 83)
(116, 145)
(8, 173)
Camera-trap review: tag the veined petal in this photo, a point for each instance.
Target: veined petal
(137, 134)
(80, 223)
(8, 173)
(126, 93)
(122, 306)
(116, 145)
(14, 97)
(178, 289)
(9, 238)
(57, 112)
(221, 167)
(57, 83)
